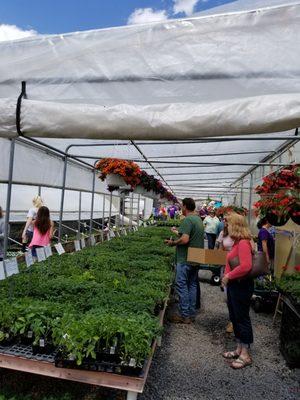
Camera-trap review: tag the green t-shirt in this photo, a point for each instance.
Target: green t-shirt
(191, 225)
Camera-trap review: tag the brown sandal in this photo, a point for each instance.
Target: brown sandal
(241, 363)
(229, 355)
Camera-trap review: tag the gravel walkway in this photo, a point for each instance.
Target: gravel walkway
(189, 365)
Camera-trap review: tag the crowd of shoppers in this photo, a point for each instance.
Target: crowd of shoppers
(232, 234)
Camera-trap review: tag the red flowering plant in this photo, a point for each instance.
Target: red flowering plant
(169, 196)
(148, 182)
(285, 178)
(279, 204)
(280, 193)
(231, 208)
(128, 170)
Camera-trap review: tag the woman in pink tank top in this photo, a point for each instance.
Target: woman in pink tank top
(43, 230)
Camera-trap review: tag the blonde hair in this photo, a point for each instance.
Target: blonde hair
(37, 202)
(238, 228)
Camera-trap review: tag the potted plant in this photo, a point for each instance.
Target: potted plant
(150, 184)
(289, 285)
(279, 196)
(119, 173)
(276, 208)
(231, 208)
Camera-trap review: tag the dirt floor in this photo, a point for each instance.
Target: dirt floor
(188, 366)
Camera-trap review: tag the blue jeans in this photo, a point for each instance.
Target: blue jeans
(186, 286)
(211, 239)
(239, 294)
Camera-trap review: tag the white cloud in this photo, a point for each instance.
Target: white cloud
(144, 15)
(184, 6)
(12, 32)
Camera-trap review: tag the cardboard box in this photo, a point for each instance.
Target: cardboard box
(205, 256)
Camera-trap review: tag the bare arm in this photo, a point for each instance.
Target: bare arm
(184, 239)
(28, 223)
(52, 230)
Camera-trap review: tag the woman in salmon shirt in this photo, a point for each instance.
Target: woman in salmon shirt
(43, 230)
(239, 290)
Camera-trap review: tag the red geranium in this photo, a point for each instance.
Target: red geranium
(279, 193)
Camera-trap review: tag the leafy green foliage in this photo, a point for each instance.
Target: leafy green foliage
(85, 302)
(290, 284)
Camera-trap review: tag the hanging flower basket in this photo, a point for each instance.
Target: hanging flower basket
(151, 194)
(277, 220)
(139, 190)
(119, 173)
(115, 180)
(279, 196)
(295, 214)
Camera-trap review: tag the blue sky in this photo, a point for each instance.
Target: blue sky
(59, 16)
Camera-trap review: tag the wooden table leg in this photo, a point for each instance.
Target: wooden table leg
(132, 395)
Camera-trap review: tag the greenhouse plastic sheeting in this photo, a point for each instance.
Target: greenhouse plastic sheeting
(212, 75)
(38, 167)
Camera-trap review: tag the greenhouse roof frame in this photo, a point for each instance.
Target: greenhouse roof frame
(174, 91)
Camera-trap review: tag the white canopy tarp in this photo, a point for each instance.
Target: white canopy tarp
(206, 76)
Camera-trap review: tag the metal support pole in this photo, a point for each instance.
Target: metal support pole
(131, 395)
(62, 197)
(250, 198)
(79, 212)
(242, 188)
(8, 196)
(131, 210)
(144, 209)
(118, 218)
(123, 209)
(138, 211)
(92, 205)
(39, 191)
(103, 212)
(110, 208)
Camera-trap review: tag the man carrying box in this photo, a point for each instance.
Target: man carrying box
(191, 234)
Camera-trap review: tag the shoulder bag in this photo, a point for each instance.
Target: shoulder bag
(260, 265)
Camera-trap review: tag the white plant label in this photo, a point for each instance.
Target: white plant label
(2, 273)
(28, 258)
(42, 342)
(77, 245)
(40, 253)
(48, 251)
(132, 362)
(92, 240)
(82, 242)
(59, 248)
(11, 267)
